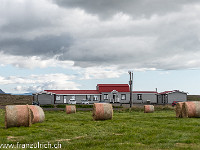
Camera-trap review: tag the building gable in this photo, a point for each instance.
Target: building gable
(110, 87)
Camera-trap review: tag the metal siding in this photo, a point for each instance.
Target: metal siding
(159, 99)
(35, 97)
(45, 99)
(177, 97)
(145, 96)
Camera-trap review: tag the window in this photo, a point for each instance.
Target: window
(57, 98)
(73, 97)
(123, 97)
(105, 96)
(139, 97)
(95, 98)
(88, 97)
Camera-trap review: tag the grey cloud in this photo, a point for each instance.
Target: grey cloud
(162, 41)
(135, 8)
(46, 46)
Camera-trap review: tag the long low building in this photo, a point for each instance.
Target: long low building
(109, 93)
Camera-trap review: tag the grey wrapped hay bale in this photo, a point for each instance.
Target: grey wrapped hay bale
(38, 113)
(148, 108)
(102, 111)
(18, 115)
(70, 109)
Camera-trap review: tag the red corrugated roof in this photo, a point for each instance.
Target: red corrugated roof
(145, 92)
(74, 91)
(111, 87)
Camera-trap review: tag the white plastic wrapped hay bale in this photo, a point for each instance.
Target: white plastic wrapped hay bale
(70, 109)
(191, 109)
(18, 115)
(38, 113)
(102, 111)
(148, 108)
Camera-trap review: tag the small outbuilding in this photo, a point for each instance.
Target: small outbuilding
(168, 97)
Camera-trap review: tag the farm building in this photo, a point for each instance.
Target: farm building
(168, 97)
(145, 97)
(109, 93)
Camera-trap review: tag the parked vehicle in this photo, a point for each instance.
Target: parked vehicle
(175, 102)
(84, 101)
(36, 103)
(72, 101)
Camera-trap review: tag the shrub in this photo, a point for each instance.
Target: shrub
(117, 107)
(84, 106)
(164, 107)
(61, 106)
(47, 106)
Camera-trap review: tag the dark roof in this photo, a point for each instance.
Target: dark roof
(145, 92)
(110, 87)
(73, 91)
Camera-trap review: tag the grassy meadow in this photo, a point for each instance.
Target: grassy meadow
(127, 130)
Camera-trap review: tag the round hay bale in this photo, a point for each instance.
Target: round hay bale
(38, 113)
(102, 111)
(18, 115)
(178, 109)
(191, 109)
(70, 109)
(148, 108)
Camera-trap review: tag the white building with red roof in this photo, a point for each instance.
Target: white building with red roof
(109, 93)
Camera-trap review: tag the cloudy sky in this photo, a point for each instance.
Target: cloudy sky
(76, 44)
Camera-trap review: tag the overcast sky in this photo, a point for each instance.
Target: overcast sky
(76, 44)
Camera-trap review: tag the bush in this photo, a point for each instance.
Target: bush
(61, 106)
(84, 106)
(117, 107)
(164, 107)
(47, 106)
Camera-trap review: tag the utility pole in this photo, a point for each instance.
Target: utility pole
(130, 85)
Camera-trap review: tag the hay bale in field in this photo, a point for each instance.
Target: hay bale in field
(38, 113)
(178, 109)
(70, 109)
(191, 109)
(18, 115)
(102, 111)
(148, 108)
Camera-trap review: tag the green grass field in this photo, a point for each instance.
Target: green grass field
(127, 130)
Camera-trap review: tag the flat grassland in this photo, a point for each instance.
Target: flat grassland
(127, 130)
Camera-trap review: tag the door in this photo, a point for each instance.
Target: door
(164, 98)
(114, 98)
(65, 99)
